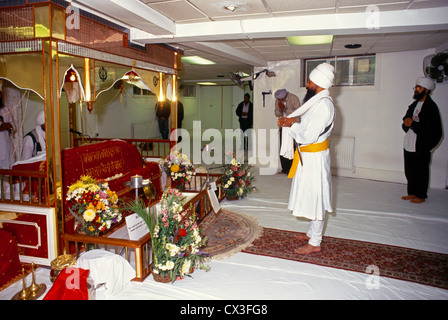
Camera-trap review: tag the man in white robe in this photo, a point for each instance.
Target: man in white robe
(6, 133)
(34, 142)
(311, 192)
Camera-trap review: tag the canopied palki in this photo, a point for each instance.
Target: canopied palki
(68, 199)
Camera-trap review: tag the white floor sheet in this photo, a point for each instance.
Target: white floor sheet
(363, 210)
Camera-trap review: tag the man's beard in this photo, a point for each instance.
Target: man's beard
(309, 94)
(419, 96)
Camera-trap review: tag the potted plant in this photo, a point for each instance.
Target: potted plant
(237, 180)
(178, 168)
(176, 238)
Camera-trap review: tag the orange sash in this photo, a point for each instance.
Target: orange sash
(315, 147)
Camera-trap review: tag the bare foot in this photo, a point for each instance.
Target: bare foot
(301, 236)
(307, 249)
(418, 200)
(408, 197)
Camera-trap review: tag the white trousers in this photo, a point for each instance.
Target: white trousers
(315, 232)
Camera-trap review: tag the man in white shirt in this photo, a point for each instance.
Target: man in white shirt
(6, 131)
(34, 141)
(245, 113)
(423, 128)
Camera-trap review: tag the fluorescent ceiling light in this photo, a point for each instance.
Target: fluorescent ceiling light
(196, 60)
(207, 83)
(309, 40)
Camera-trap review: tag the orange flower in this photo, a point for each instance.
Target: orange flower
(100, 206)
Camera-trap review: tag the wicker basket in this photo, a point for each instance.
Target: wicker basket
(160, 278)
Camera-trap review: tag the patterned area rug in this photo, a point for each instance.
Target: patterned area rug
(428, 268)
(229, 233)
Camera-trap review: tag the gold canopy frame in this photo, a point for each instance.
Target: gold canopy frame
(41, 41)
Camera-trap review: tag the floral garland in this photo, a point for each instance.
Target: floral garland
(95, 206)
(237, 179)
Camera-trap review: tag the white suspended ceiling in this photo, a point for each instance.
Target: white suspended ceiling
(255, 32)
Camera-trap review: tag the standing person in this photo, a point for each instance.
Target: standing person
(311, 190)
(245, 113)
(180, 118)
(285, 104)
(423, 128)
(34, 141)
(6, 131)
(163, 111)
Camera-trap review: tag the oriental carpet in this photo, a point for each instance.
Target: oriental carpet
(228, 233)
(428, 268)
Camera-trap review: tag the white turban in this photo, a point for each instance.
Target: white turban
(40, 118)
(323, 75)
(426, 83)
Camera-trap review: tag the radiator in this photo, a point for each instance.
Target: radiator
(342, 151)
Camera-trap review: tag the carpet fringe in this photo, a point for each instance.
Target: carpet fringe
(257, 232)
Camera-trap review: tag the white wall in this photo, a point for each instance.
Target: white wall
(112, 117)
(370, 114)
(373, 115)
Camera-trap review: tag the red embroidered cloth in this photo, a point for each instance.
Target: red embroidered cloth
(10, 266)
(32, 233)
(106, 160)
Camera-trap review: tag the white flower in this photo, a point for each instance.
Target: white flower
(156, 231)
(89, 215)
(173, 249)
(186, 267)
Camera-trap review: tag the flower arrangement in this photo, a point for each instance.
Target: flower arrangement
(95, 205)
(176, 237)
(178, 167)
(237, 179)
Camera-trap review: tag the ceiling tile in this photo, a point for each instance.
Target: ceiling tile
(215, 9)
(320, 47)
(422, 4)
(178, 10)
(276, 42)
(277, 6)
(349, 3)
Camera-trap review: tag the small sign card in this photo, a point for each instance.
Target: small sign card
(213, 198)
(137, 227)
